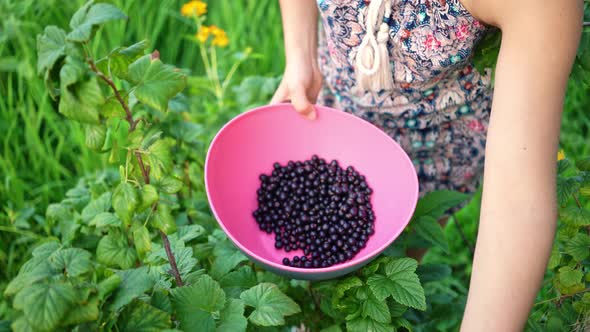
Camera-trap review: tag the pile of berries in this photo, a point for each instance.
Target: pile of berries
(317, 207)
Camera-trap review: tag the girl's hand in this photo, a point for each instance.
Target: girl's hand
(302, 79)
(301, 85)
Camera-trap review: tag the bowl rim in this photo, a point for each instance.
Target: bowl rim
(415, 194)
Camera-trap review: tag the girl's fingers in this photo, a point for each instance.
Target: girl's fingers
(302, 104)
(280, 95)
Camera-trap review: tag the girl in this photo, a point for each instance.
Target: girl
(405, 66)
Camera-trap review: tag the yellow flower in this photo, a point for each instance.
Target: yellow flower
(203, 34)
(194, 7)
(220, 39)
(560, 155)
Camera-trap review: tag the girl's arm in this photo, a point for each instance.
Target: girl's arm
(302, 80)
(518, 216)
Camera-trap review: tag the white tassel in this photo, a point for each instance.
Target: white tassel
(373, 70)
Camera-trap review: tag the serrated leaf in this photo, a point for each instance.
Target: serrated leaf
(232, 317)
(97, 206)
(195, 304)
(235, 282)
(120, 58)
(161, 300)
(403, 323)
(46, 249)
(396, 309)
(401, 283)
(555, 258)
(81, 313)
(105, 219)
(159, 158)
(436, 203)
(566, 187)
(95, 136)
(125, 201)
(134, 283)
(45, 305)
(108, 285)
(113, 250)
(162, 219)
(343, 286)
(333, 328)
(578, 247)
(375, 309)
(430, 230)
(569, 276)
(227, 257)
(71, 261)
(188, 233)
(142, 317)
(23, 280)
(433, 272)
(270, 305)
(156, 83)
(367, 324)
(149, 196)
(86, 18)
(81, 101)
(575, 216)
(169, 184)
(141, 239)
(51, 46)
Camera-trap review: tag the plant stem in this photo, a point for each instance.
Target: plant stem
(563, 297)
(20, 232)
(469, 246)
(577, 201)
(129, 115)
(174, 268)
(145, 169)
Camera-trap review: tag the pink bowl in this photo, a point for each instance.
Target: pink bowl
(249, 145)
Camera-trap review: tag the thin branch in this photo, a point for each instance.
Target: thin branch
(129, 115)
(563, 297)
(577, 201)
(174, 268)
(469, 245)
(145, 170)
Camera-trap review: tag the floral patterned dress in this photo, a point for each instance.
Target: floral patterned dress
(439, 107)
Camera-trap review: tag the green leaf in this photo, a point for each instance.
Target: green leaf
(81, 313)
(575, 216)
(95, 136)
(120, 58)
(396, 309)
(45, 305)
(430, 230)
(169, 184)
(87, 17)
(401, 283)
(343, 286)
(188, 233)
(161, 300)
(142, 317)
(270, 305)
(26, 279)
(235, 282)
(232, 317)
(375, 309)
(156, 83)
(367, 324)
(134, 283)
(555, 258)
(403, 323)
(333, 328)
(105, 219)
(125, 201)
(162, 219)
(113, 250)
(97, 206)
(82, 101)
(108, 285)
(141, 239)
(51, 46)
(46, 249)
(433, 272)
(227, 258)
(72, 261)
(566, 187)
(578, 247)
(149, 196)
(21, 325)
(160, 158)
(195, 304)
(436, 203)
(568, 276)
(583, 164)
